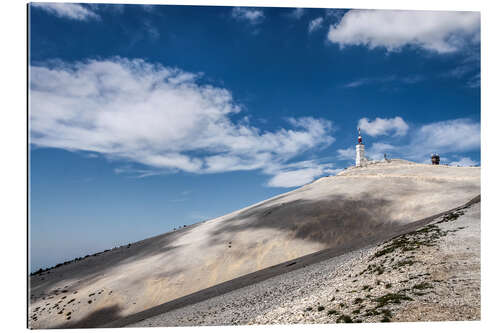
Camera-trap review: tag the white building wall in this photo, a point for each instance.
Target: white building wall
(360, 155)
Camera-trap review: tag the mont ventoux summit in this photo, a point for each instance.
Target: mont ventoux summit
(333, 218)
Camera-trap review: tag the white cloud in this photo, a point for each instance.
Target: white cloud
(67, 10)
(458, 135)
(315, 24)
(251, 15)
(441, 32)
(465, 162)
(161, 117)
(382, 126)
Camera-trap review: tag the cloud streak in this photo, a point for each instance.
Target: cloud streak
(160, 117)
(384, 80)
(315, 24)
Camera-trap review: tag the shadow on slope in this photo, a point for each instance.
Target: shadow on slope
(96, 318)
(334, 221)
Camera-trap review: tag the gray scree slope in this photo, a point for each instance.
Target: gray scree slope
(344, 211)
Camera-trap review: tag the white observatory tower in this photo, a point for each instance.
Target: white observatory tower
(360, 151)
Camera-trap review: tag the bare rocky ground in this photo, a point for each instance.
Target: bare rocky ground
(431, 274)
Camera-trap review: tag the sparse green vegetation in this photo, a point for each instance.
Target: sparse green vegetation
(451, 216)
(411, 241)
(391, 298)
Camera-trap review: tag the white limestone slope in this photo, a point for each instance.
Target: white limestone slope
(339, 211)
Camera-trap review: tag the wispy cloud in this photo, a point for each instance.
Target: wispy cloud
(346, 154)
(130, 111)
(151, 30)
(315, 24)
(468, 69)
(385, 80)
(474, 81)
(250, 15)
(297, 13)
(465, 162)
(440, 32)
(111, 8)
(72, 11)
(181, 197)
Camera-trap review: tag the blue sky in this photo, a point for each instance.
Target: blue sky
(146, 118)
